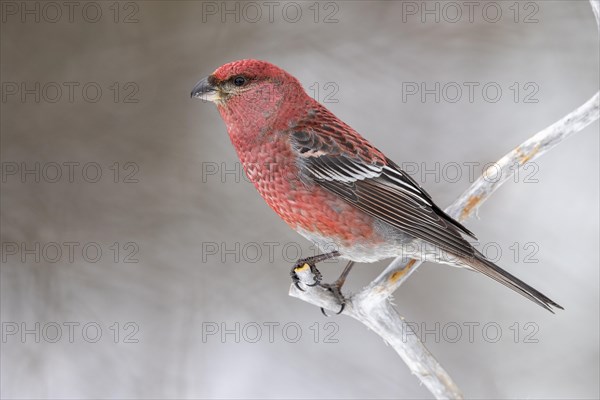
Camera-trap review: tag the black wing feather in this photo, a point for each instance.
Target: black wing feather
(389, 194)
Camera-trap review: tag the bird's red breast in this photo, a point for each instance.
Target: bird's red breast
(271, 165)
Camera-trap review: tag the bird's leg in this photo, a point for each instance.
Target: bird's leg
(336, 288)
(310, 262)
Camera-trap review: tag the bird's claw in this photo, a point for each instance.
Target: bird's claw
(303, 265)
(336, 289)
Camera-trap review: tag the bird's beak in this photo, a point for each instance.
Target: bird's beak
(205, 91)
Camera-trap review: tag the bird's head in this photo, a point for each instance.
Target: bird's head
(251, 91)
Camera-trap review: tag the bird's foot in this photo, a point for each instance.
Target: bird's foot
(310, 263)
(336, 289)
(300, 266)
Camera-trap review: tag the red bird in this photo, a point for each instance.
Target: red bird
(329, 183)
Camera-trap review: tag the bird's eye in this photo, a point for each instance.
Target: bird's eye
(239, 81)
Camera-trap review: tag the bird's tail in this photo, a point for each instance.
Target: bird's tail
(486, 267)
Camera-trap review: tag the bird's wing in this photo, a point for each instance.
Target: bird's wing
(335, 157)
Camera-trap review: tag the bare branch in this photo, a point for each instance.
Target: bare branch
(383, 319)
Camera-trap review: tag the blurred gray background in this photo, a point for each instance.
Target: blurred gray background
(202, 236)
